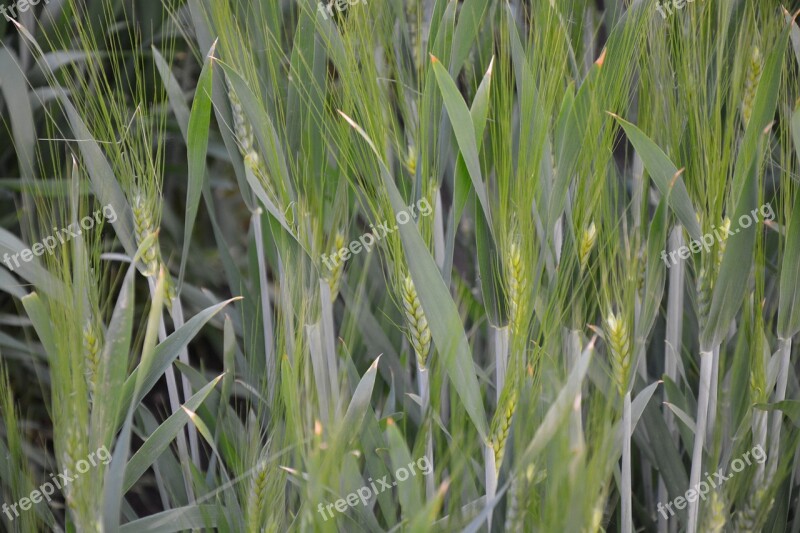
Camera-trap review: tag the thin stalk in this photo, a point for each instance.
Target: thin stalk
(500, 338)
(759, 439)
(712, 397)
(490, 469)
(672, 352)
(175, 404)
(183, 355)
(627, 514)
(425, 398)
(784, 361)
(573, 352)
(265, 304)
(706, 366)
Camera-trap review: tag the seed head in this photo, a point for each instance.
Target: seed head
(617, 335)
(144, 227)
(92, 347)
(714, 520)
(726, 225)
(257, 497)
(588, 239)
(411, 159)
(514, 516)
(703, 286)
(501, 423)
(242, 128)
(335, 276)
(516, 287)
(418, 331)
(748, 518)
(751, 85)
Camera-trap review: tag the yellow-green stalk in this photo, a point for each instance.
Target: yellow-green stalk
(419, 334)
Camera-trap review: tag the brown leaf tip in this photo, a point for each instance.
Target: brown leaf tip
(601, 59)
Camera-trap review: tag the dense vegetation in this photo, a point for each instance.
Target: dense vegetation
(380, 265)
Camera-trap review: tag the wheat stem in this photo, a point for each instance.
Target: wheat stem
(784, 363)
(706, 364)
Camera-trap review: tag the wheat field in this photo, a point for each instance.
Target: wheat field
(399, 265)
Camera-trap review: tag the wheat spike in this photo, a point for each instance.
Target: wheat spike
(411, 159)
(243, 131)
(92, 346)
(703, 294)
(618, 339)
(256, 498)
(335, 276)
(726, 224)
(642, 274)
(751, 85)
(714, 519)
(747, 519)
(588, 239)
(514, 518)
(501, 423)
(419, 332)
(144, 227)
(516, 287)
(413, 31)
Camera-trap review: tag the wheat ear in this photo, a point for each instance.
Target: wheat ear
(751, 85)
(617, 334)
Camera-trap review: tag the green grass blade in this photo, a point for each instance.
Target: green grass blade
(104, 183)
(664, 173)
(113, 494)
(440, 310)
(197, 147)
(464, 130)
(160, 439)
(766, 100)
(114, 364)
(194, 517)
(168, 351)
(789, 302)
(731, 283)
(470, 17)
(655, 275)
